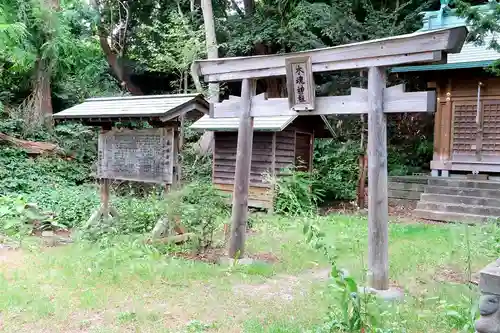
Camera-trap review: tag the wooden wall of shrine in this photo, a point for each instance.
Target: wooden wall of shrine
(465, 139)
(271, 153)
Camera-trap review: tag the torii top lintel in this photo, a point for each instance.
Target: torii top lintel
(421, 47)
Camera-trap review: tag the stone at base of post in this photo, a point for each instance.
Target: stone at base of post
(445, 173)
(489, 305)
(435, 173)
(390, 295)
(235, 262)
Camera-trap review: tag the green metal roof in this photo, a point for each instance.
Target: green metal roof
(471, 55)
(446, 17)
(440, 67)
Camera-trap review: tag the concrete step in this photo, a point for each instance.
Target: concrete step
(464, 183)
(406, 186)
(402, 194)
(458, 208)
(409, 179)
(460, 200)
(451, 217)
(468, 192)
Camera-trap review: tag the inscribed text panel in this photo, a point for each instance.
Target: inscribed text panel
(144, 155)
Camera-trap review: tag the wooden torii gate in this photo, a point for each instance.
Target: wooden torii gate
(377, 100)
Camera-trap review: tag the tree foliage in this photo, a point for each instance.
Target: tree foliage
(484, 23)
(80, 42)
(88, 48)
(169, 46)
(53, 44)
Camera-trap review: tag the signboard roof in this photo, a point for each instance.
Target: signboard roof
(158, 106)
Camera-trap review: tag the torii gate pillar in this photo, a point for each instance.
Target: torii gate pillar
(378, 249)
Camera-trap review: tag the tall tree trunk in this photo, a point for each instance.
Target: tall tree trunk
(41, 109)
(38, 108)
(116, 64)
(211, 41)
(114, 59)
(249, 7)
(206, 140)
(275, 86)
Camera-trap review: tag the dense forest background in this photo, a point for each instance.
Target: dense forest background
(56, 53)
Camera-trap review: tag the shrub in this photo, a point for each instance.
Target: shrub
(296, 193)
(199, 207)
(71, 205)
(336, 166)
(195, 168)
(18, 217)
(138, 215)
(409, 157)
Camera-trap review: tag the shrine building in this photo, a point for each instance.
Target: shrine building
(278, 143)
(467, 119)
(465, 168)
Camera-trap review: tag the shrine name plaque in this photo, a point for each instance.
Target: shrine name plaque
(144, 155)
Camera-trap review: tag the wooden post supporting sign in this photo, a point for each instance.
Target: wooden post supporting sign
(104, 185)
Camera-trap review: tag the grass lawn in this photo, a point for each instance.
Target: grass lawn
(122, 285)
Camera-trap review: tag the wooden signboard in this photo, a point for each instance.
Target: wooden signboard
(300, 84)
(144, 155)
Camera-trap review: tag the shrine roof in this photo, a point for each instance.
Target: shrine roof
(165, 107)
(262, 124)
(271, 124)
(442, 67)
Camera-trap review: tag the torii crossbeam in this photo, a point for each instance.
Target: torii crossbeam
(376, 55)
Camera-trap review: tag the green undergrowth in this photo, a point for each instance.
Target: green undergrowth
(126, 283)
(73, 205)
(21, 173)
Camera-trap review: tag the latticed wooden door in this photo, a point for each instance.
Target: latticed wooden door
(472, 142)
(490, 142)
(465, 132)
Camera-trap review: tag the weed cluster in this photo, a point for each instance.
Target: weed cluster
(20, 218)
(355, 311)
(200, 208)
(296, 193)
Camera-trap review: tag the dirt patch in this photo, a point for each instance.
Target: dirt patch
(400, 211)
(283, 287)
(214, 256)
(210, 256)
(396, 208)
(449, 274)
(11, 259)
(266, 257)
(340, 207)
(59, 233)
(8, 255)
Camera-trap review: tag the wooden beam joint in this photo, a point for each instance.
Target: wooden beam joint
(396, 100)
